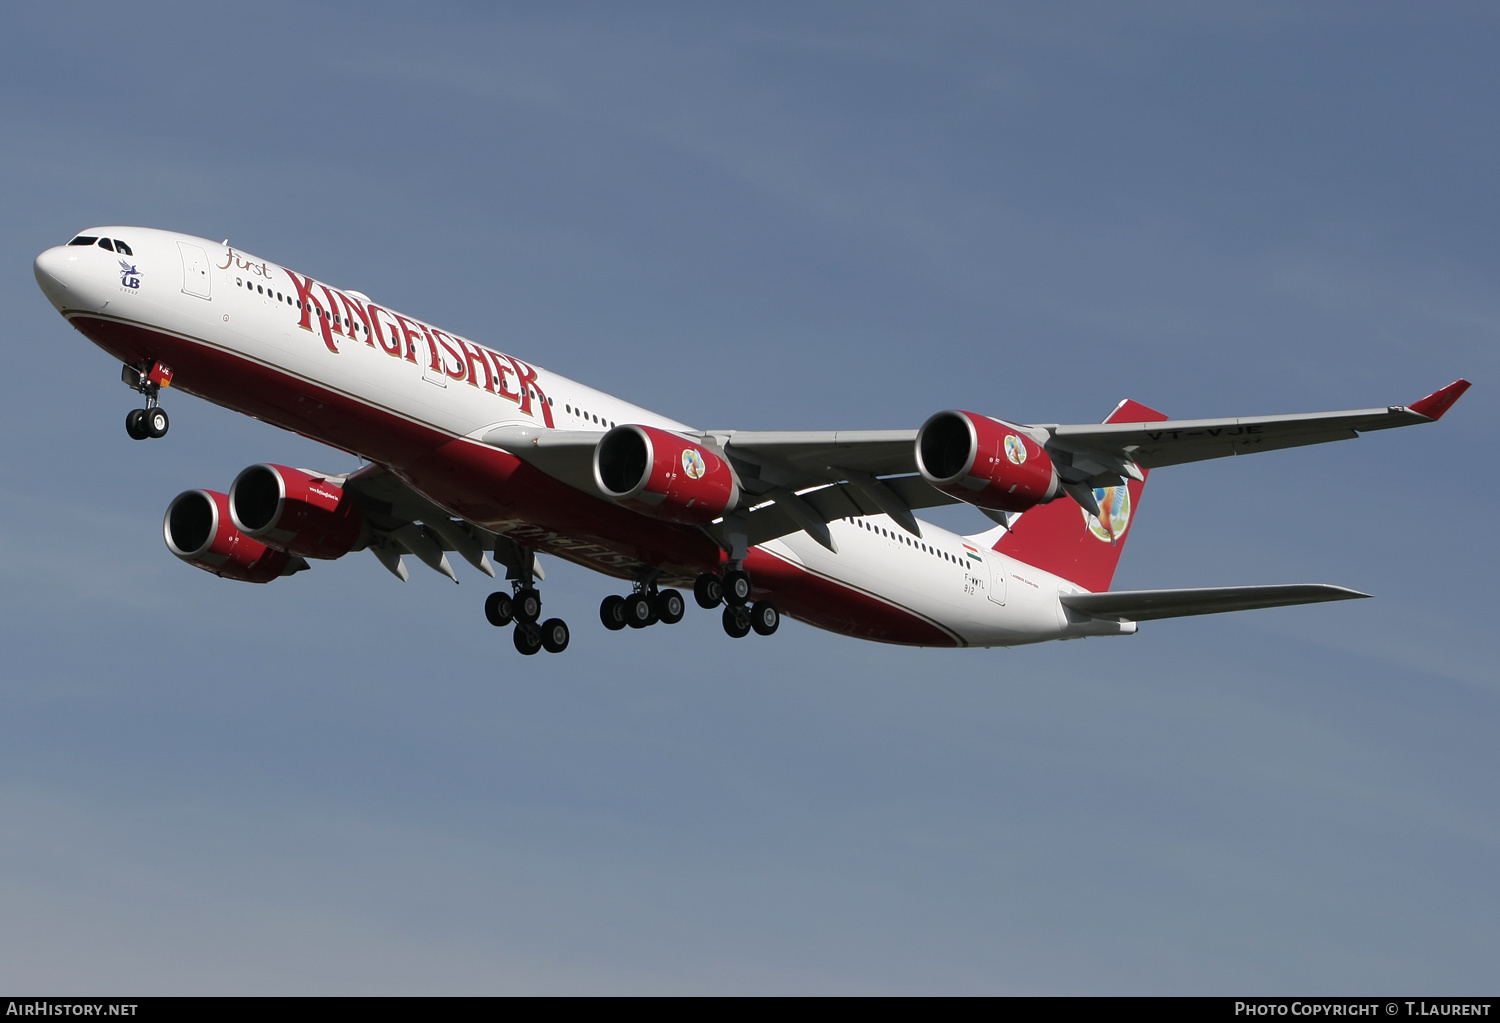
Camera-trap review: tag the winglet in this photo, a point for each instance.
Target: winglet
(1435, 404)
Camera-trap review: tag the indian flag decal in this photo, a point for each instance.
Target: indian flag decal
(973, 552)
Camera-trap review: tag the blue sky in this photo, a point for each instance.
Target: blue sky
(775, 216)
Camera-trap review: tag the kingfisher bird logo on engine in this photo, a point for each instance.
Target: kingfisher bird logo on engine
(692, 464)
(1015, 450)
(130, 277)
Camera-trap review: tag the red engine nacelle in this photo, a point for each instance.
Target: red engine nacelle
(658, 473)
(197, 529)
(984, 462)
(295, 511)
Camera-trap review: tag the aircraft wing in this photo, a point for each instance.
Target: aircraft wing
(802, 480)
(1148, 605)
(1175, 441)
(792, 480)
(809, 478)
(804, 456)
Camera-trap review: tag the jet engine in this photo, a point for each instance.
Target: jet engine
(985, 462)
(198, 530)
(295, 511)
(661, 474)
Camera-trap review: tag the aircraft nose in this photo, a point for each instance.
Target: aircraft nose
(52, 271)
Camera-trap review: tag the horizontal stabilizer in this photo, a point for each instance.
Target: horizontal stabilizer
(1147, 605)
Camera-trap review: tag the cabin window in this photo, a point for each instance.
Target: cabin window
(105, 243)
(122, 248)
(84, 239)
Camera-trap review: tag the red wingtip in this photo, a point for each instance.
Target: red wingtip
(1435, 404)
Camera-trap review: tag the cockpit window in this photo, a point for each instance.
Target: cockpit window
(104, 243)
(122, 248)
(84, 239)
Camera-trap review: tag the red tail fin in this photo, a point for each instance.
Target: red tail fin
(1065, 540)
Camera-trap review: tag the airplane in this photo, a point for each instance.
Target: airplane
(472, 451)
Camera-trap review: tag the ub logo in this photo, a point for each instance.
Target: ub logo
(130, 277)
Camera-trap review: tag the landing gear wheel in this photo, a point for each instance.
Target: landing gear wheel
(528, 638)
(669, 606)
(528, 606)
(612, 612)
(135, 424)
(155, 422)
(737, 586)
(638, 611)
(555, 635)
(764, 618)
(708, 591)
(737, 621)
(499, 609)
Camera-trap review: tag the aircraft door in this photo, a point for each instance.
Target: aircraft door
(997, 578)
(195, 279)
(432, 366)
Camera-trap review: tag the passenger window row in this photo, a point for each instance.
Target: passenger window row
(261, 289)
(337, 319)
(589, 416)
(906, 538)
(112, 244)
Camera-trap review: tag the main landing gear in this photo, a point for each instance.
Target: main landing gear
(148, 379)
(646, 606)
(524, 607)
(733, 589)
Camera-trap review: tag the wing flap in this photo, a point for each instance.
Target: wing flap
(1148, 605)
(401, 521)
(770, 520)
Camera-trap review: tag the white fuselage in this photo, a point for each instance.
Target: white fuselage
(252, 335)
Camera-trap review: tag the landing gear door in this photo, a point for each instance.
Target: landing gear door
(997, 578)
(195, 280)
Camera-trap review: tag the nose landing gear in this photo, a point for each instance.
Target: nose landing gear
(148, 379)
